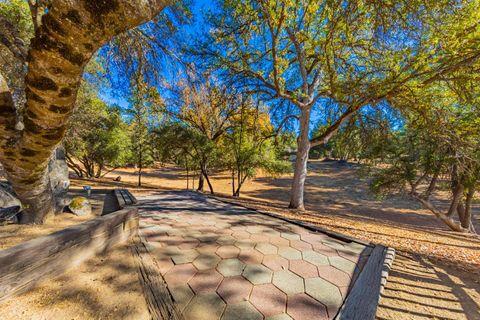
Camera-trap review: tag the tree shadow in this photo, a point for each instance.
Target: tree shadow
(104, 287)
(418, 288)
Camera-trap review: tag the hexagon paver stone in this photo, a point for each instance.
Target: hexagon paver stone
(180, 274)
(250, 256)
(206, 261)
(259, 237)
(334, 275)
(290, 253)
(228, 251)
(301, 307)
(315, 258)
(245, 244)
(343, 264)
(303, 268)
(205, 281)
(241, 234)
(257, 274)
(325, 292)
(279, 241)
(282, 316)
(275, 262)
(325, 250)
(235, 289)
(334, 244)
(181, 295)
(208, 248)
(164, 265)
(266, 248)
(290, 236)
(241, 311)
(300, 245)
(189, 243)
(288, 282)
(185, 256)
(226, 240)
(231, 267)
(208, 306)
(268, 299)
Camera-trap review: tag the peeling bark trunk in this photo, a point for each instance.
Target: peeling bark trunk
(303, 142)
(69, 34)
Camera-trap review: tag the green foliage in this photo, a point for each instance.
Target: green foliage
(17, 12)
(248, 145)
(98, 137)
(145, 112)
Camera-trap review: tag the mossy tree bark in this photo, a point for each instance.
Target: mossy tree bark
(70, 32)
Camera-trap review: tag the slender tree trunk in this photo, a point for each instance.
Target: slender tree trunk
(466, 221)
(457, 196)
(140, 163)
(205, 174)
(433, 184)
(233, 182)
(303, 142)
(240, 184)
(201, 182)
(99, 171)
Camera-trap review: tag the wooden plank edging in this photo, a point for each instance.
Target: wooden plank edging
(27, 264)
(362, 300)
(159, 300)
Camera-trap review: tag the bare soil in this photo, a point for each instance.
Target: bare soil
(105, 287)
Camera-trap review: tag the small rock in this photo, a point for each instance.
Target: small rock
(119, 178)
(80, 206)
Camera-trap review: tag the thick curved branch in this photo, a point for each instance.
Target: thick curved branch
(332, 130)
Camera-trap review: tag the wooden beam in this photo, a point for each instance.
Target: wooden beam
(160, 303)
(362, 301)
(24, 266)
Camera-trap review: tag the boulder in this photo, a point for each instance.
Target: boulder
(80, 206)
(59, 180)
(10, 206)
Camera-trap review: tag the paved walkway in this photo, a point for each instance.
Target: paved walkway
(222, 261)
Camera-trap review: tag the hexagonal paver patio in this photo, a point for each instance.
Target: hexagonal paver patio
(221, 261)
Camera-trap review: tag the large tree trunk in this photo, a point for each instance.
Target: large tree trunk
(303, 142)
(70, 33)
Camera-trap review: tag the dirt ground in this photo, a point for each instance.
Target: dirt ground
(104, 287)
(436, 274)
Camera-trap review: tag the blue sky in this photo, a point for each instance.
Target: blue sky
(188, 32)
